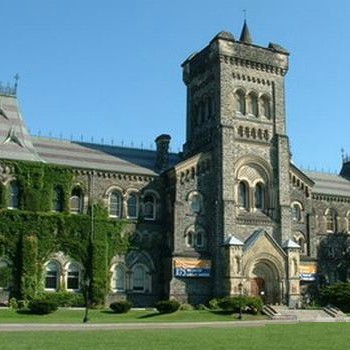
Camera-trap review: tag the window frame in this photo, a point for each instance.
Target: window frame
(144, 287)
(115, 279)
(76, 195)
(243, 204)
(153, 204)
(78, 270)
(57, 276)
(136, 205)
(14, 195)
(118, 204)
(58, 199)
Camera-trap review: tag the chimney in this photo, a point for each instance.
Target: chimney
(162, 159)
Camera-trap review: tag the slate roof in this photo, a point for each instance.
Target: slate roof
(16, 143)
(102, 157)
(329, 184)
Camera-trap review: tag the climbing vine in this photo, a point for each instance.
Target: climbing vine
(29, 235)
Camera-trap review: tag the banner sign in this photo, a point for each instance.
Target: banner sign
(308, 272)
(192, 268)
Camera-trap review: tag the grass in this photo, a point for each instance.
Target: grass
(311, 336)
(107, 316)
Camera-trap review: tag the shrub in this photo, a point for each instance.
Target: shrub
(214, 304)
(65, 299)
(254, 304)
(186, 307)
(167, 306)
(201, 307)
(121, 307)
(337, 294)
(232, 304)
(13, 303)
(245, 303)
(42, 307)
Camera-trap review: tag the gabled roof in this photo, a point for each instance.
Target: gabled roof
(302, 175)
(259, 234)
(290, 244)
(232, 240)
(329, 184)
(15, 141)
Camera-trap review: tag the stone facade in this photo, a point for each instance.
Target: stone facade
(232, 213)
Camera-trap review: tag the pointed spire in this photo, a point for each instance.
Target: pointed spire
(245, 35)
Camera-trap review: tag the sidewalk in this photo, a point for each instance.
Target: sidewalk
(25, 327)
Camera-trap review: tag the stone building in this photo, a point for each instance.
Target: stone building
(229, 215)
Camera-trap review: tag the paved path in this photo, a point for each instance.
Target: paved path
(20, 327)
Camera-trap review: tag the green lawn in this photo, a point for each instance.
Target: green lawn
(107, 316)
(310, 336)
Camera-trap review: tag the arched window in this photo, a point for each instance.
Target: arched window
(240, 101)
(299, 238)
(73, 276)
(243, 195)
(266, 106)
(347, 222)
(330, 220)
(58, 199)
(52, 273)
(5, 275)
(132, 206)
(195, 239)
(195, 203)
(115, 204)
(119, 279)
(253, 104)
(139, 278)
(259, 196)
(149, 207)
(13, 195)
(76, 201)
(296, 212)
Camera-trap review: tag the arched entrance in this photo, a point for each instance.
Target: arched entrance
(264, 282)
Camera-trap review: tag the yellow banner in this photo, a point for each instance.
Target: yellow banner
(308, 268)
(192, 263)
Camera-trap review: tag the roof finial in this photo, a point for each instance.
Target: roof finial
(16, 77)
(245, 14)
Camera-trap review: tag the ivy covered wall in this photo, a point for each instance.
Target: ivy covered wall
(30, 234)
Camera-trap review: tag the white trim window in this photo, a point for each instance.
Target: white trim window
(76, 201)
(119, 279)
(14, 193)
(331, 220)
(132, 206)
(115, 204)
(52, 276)
(297, 212)
(73, 277)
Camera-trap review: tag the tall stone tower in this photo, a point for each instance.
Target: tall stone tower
(236, 118)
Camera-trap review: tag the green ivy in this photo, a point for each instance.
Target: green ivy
(30, 235)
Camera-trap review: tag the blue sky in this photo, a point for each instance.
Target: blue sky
(111, 69)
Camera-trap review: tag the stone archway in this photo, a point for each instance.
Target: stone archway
(264, 282)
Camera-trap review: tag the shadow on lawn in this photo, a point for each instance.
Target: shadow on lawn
(24, 312)
(154, 314)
